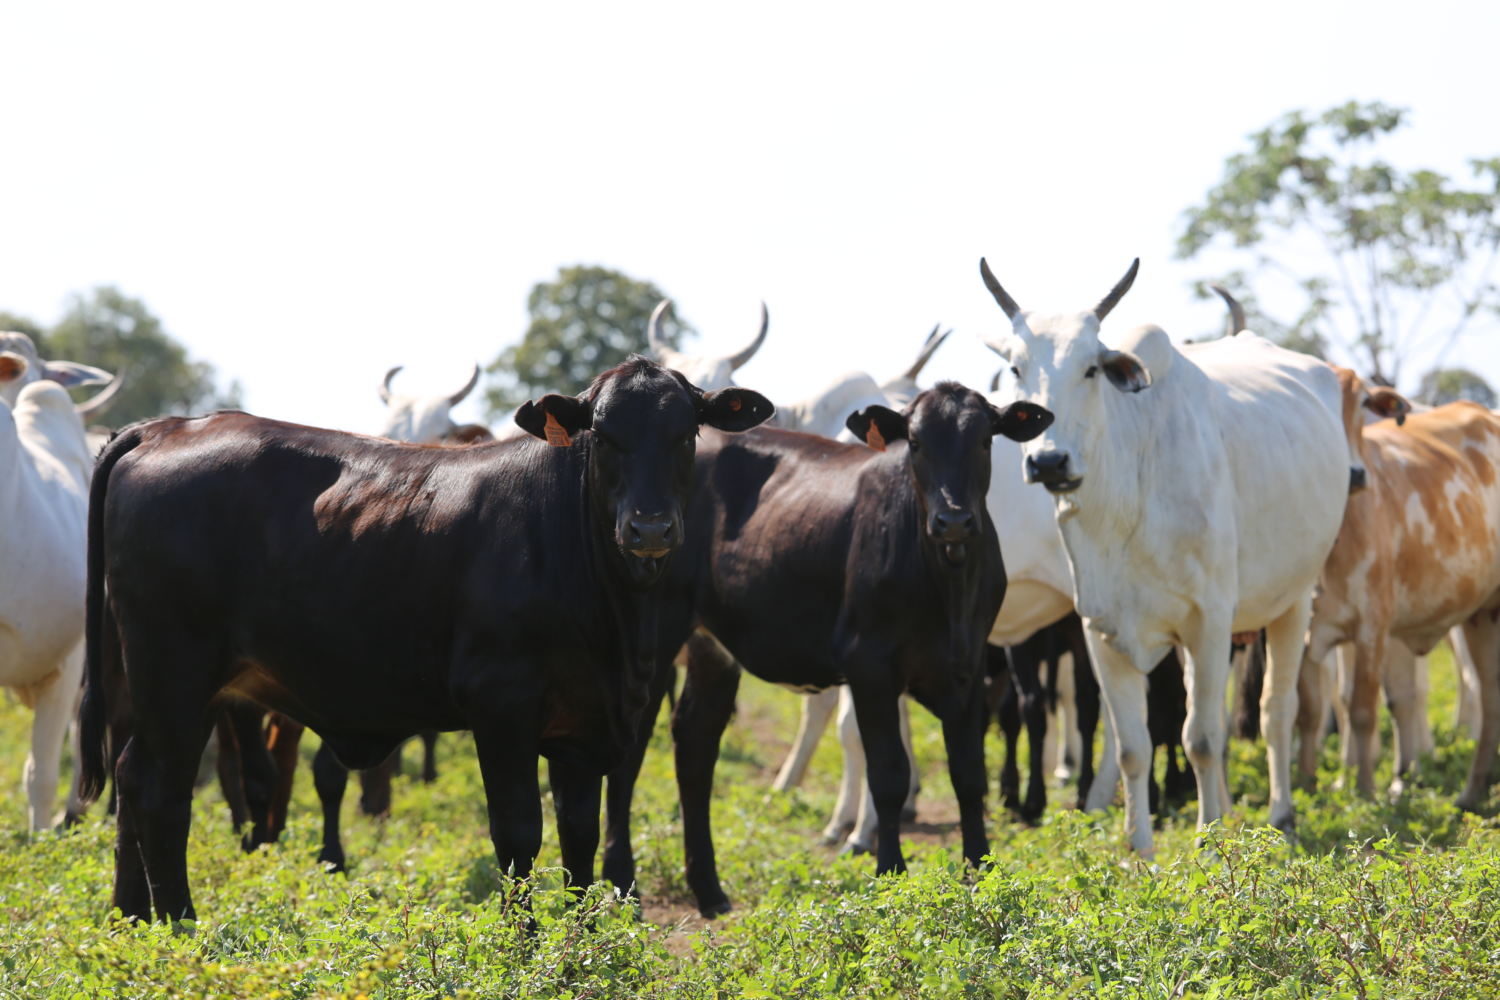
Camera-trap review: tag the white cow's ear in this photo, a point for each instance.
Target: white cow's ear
(1125, 371)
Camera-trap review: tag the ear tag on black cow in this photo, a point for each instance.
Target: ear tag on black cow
(557, 435)
(873, 437)
(735, 404)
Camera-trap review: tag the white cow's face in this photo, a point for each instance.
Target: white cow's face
(705, 371)
(1058, 362)
(420, 419)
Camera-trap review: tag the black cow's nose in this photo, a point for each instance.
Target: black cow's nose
(952, 525)
(1357, 479)
(651, 534)
(1047, 466)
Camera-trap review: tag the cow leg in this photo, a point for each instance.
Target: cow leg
(330, 778)
(852, 781)
(817, 709)
(429, 755)
(1399, 677)
(1250, 677)
(375, 786)
(1312, 710)
(1086, 702)
(49, 727)
(1423, 741)
(1106, 781)
(575, 800)
(619, 853)
(703, 710)
(1024, 668)
(1123, 685)
(1008, 712)
(282, 737)
(508, 746)
(1364, 706)
(231, 771)
(963, 738)
(887, 766)
(1467, 713)
(1482, 636)
(257, 769)
(909, 808)
(1278, 708)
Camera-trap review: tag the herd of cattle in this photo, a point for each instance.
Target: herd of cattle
(1154, 503)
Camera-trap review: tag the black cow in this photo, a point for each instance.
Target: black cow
(817, 563)
(372, 589)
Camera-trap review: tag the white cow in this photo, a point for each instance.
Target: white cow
(44, 473)
(421, 419)
(1199, 491)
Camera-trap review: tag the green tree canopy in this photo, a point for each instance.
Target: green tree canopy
(1387, 262)
(113, 331)
(1446, 385)
(585, 320)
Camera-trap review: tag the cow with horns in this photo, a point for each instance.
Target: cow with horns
(372, 589)
(1198, 491)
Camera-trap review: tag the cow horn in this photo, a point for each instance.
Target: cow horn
(1118, 292)
(745, 355)
(1001, 295)
(385, 387)
(101, 401)
(659, 347)
(934, 341)
(1236, 311)
(458, 397)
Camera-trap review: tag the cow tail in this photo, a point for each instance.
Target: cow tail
(93, 714)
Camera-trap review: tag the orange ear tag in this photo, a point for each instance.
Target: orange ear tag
(873, 437)
(735, 404)
(557, 436)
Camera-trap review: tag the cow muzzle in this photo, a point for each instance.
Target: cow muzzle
(1052, 470)
(647, 539)
(952, 530)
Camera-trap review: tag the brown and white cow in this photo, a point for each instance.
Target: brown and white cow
(1418, 553)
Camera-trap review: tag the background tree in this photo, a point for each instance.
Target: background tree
(1388, 263)
(118, 333)
(1446, 385)
(584, 321)
(12, 323)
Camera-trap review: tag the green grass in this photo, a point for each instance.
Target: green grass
(1378, 899)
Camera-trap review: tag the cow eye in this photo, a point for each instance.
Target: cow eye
(1015, 371)
(914, 445)
(1093, 370)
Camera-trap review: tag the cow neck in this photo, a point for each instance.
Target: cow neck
(633, 610)
(1108, 504)
(956, 586)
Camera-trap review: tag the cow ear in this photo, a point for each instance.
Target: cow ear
(1125, 371)
(12, 366)
(72, 374)
(876, 426)
(1387, 402)
(1020, 421)
(734, 409)
(555, 419)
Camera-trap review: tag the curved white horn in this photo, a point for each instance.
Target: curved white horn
(737, 360)
(100, 402)
(1001, 295)
(385, 387)
(934, 341)
(1236, 311)
(1118, 292)
(458, 397)
(659, 347)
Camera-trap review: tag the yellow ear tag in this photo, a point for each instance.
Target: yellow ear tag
(557, 437)
(873, 437)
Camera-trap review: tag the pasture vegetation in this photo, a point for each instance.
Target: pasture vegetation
(1379, 899)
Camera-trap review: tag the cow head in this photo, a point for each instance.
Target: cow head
(420, 419)
(1060, 363)
(948, 430)
(1360, 399)
(20, 365)
(642, 422)
(711, 372)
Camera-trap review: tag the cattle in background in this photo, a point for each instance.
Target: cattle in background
(880, 568)
(423, 419)
(1418, 553)
(709, 371)
(44, 475)
(372, 589)
(1198, 491)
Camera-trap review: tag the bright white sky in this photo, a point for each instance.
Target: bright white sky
(310, 193)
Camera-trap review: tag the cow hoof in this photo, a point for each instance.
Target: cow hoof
(855, 848)
(835, 833)
(909, 814)
(1288, 827)
(1467, 803)
(1397, 789)
(717, 908)
(69, 820)
(332, 864)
